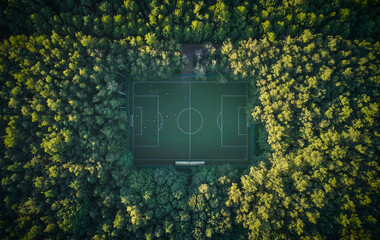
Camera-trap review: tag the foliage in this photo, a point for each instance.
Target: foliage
(318, 100)
(192, 22)
(67, 171)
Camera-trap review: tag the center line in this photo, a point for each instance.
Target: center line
(190, 121)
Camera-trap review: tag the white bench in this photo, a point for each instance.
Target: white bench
(189, 163)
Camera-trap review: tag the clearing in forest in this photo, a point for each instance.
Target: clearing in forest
(185, 120)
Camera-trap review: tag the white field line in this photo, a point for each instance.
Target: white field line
(189, 121)
(194, 159)
(158, 119)
(221, 120)
(162, 121)
(241, 134)
(221, 136)
(190, 109)
(158, 82)
(246, 131)
(217, 120)
(133, 113)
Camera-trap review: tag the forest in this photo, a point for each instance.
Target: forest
(66, 169)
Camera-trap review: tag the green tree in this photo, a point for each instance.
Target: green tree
(307, 180)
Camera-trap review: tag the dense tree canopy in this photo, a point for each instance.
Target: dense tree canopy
(66, 169)
(193, 21)
(319, 102)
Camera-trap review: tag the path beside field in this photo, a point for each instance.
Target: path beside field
(189, 50)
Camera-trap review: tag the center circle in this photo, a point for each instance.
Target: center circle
(190, 121)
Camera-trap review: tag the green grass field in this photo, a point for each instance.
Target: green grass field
(189, 121)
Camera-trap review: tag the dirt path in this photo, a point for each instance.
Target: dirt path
(189, 50)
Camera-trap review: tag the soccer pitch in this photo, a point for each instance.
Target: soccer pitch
(188, 120)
